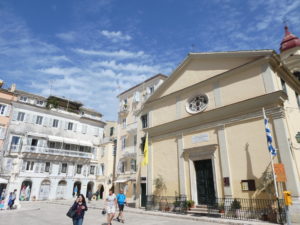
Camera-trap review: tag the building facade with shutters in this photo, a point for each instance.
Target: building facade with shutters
(7, 96)
(129, 174)
(206, 129)
(50, 151)
(107, 159)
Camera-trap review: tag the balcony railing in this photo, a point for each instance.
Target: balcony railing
(124, 110)
(128, 152)
(132, 127)
(54, 151)
(15, 148)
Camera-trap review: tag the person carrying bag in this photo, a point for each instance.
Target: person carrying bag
(76, 212)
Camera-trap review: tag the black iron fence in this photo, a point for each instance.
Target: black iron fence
(176, 204)
(229, 208)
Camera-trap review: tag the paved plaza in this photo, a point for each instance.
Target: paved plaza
(44, 213)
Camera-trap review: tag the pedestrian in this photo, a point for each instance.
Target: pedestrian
(12, 198)
(111, 204)
(9, 200)
(121, 199)
(80, 207)
(90, 195)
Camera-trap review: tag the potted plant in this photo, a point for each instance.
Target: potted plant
(190, 204)
(221, 208)
(235, 207)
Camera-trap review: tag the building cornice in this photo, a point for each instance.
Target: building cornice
(44, 110)
(244, 110)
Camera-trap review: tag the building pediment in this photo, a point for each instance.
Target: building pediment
(198, 67)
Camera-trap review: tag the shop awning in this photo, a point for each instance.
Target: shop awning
(37, 135)
(71, 141)
(55, 138)
(3, 181)
(86, 143)
(121, 180)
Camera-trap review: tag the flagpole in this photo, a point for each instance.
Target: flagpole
(274, 176)
(272, 162)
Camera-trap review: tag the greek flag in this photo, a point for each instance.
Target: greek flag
(272, 150)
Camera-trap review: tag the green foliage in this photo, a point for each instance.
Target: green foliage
(190, 203)
(235, 204)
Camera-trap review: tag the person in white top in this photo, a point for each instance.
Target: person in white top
(111, 204)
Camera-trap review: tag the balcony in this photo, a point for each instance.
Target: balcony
(132, 127)
(129, 152)
(56, 152)
(124, 110)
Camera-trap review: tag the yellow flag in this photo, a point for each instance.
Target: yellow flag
(145, 160)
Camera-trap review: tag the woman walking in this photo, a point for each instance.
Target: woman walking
(111, 204)
(80, 207)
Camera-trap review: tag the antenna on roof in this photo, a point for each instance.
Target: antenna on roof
(50, 91)
(193, 47)
(285, 21)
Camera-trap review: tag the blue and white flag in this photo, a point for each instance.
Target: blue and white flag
(272, 150)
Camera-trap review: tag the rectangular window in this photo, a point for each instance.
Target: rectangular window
(29, 165)
(64, 167)
(39, 120)
(67, 146)
(133, 165)
(15, 141)
(283, 85)
(143, 140)
(21, 116)
(92, 170)
(79, 168)
(144, 119)
(23, 99)
(134, 140)
(81, 148)
(55, 123)
(51, 144)
(40, 103)
(122, 167)
(111, 131)
(34, 142)
(47, 166)
(70, 126)
(248, 185)
(102, 168)
(124, 123)
(151, 89)
(2, 109)
(123, 142)
(297, 99)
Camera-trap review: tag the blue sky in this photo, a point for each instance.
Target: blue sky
(91, 50)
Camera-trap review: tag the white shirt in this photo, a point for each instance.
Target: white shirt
(111, 200)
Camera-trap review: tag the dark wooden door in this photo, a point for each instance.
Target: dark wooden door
(143, 195)
(205, 181)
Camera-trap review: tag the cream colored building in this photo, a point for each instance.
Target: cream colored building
(129, 152)
(107, 159)
(206, 132)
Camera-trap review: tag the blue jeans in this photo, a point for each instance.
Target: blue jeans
(78, 221)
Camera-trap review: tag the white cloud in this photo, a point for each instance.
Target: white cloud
(116, 35)
(61, 71)
(138, 68)
(68, 36)
(112, 54)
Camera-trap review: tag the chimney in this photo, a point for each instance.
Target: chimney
(12, 88)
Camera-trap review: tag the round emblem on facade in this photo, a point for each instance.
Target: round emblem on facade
(196, 104)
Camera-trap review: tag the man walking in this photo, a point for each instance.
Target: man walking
(121, 199)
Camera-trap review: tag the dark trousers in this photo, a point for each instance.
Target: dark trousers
(12, 204)
(78, 221)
